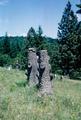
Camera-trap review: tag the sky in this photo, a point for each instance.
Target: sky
(17, 16)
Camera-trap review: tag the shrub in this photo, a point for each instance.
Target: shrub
(4, 59)
(76, 75)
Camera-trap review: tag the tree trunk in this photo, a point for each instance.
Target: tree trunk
(45, 81)
(32, 67)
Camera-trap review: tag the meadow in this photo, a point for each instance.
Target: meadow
(18, 101)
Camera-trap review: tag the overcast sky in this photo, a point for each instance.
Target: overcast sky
(17, 16)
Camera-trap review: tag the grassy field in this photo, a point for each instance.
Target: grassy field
(20, 102)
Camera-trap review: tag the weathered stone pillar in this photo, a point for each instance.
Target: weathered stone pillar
(44, 71)
(32, 67)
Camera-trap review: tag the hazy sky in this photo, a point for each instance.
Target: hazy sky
(17, 16)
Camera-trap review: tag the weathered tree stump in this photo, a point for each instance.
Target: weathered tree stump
(32, 67)
(44, 72)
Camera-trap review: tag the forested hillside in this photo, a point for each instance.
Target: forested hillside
(13, 49)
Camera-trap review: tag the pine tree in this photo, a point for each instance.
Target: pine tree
(79, 42)
(40, 40)
(30, 42)
(79, 6)
(13, 50)
(68, 40)
(6, 44)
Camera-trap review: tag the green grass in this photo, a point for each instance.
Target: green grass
(20, 102)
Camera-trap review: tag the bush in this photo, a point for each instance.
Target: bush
(21, 61)
(59, 71)
(4, 59)
(76, 75)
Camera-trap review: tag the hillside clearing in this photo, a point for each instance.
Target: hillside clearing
(20, 102)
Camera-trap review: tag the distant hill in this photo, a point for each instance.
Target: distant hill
(51, 40)
(22, 38)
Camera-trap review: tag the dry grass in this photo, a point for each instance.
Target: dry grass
(20, 102)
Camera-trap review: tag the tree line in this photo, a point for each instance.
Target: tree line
(14, 49)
